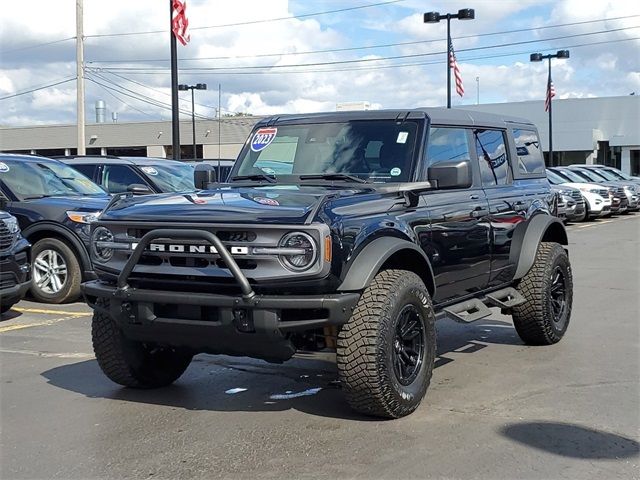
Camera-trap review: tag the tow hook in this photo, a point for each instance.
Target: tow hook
(243, 320)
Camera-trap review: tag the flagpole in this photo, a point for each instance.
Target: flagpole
(448, 60)
(175, 114)
(550, 117)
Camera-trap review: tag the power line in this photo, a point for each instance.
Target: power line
(364, 47)
(396, 65)
(43, 87)
(253, 22)
(237, 69)
(37, 45)
(140, 97)
(122, 101)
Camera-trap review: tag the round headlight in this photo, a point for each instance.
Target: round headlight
(303, 251)
(99, 244)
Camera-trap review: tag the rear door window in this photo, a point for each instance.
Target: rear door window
(492, 156)
(88, 171)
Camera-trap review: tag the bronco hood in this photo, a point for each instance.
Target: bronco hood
(286, 204)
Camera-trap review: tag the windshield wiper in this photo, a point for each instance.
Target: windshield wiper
(256, 176)
(333, 176)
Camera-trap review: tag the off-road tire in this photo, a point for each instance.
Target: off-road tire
(365, 351)
(535, 320)
(130, 363)
(70, 290)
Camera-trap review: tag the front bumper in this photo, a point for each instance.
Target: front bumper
(15, 272)
(220, 324)
(244, 324)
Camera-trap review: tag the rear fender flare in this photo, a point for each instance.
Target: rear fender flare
(527, 237)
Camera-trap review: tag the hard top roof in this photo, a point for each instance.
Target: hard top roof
(438, 116)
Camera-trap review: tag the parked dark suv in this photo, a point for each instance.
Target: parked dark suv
(138, 175)
(352, 231)
(54, 205)
(14, 262)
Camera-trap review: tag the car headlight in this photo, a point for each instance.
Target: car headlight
(630, 188)
(82, 217)
(303, 251)
(101, 244)
(12, 224)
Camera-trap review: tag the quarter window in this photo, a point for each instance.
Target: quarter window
(492, 156)
(529, 151)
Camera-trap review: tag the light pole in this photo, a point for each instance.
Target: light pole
(197, 86)
(538, 57)
(477, 90)
(435, 17)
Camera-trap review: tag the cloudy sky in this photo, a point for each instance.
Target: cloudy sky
(278, 56)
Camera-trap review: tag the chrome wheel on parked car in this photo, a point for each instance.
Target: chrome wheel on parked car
(50, 271)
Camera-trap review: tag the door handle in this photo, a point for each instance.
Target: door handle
(479, 212)
(474, 196)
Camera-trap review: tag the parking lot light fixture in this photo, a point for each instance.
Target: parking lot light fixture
(197, 86)
(538, 57)
(435, 17)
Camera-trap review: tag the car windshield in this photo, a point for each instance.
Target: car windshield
(572, 176)
(591, 176)
(554, 178)
(607, 174)
(376, 151)
(47, 178)
(170, 177)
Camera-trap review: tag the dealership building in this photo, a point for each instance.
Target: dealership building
(604, 130)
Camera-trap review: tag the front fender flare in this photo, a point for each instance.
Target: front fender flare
(374, 255)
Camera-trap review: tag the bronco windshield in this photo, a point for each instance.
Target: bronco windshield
(377, 151)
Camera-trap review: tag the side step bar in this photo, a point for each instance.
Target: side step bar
(478, 308)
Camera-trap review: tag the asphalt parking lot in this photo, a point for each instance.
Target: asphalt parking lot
(496, 409)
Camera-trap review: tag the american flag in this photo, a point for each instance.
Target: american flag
(551, 92)
(180, 22)
(456, 71)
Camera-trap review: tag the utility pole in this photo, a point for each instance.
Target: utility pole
(175, 113)
(219, 120)
(80, 76)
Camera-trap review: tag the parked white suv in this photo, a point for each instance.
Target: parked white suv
(596, 196)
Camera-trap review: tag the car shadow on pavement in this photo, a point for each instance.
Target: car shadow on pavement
(10, 315)
(305, 383)
(570, 440)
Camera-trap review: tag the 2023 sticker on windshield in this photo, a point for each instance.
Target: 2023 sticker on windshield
(263, 138)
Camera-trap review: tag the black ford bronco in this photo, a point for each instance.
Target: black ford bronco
(350, 231)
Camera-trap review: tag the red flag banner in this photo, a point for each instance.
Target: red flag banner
(180, 22)
(551, 92)
(453, 63)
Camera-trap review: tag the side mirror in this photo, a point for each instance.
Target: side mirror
(203, 175)
(451, 174)
(139, 189)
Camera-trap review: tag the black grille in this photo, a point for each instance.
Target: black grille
(6, 237)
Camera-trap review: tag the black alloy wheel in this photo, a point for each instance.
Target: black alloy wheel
(408, 345)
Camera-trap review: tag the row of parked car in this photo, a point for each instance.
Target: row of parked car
(50, 203)
(586, 192)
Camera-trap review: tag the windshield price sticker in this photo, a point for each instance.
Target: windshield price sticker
(402, 137)
(4, 167)
(263, 138)
(149, 170)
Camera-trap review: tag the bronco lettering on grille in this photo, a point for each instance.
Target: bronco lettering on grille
(181, 248)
